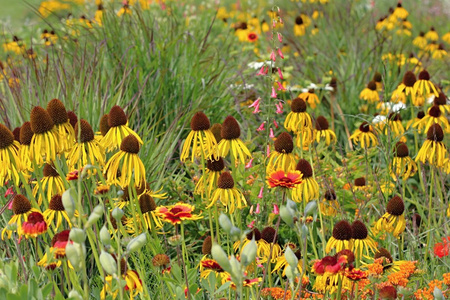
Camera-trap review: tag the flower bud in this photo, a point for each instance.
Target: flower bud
(74, 295)
(236, 272)
(225, 223)
(310, 209)
(221, 257)
(96, 214)
(75, 255)
(77, 235)
(117, 214)
(437, 293)
(137, 243)
(290, 274)
(68, 203)
(105, 237)
(287, 216)
(291, 259)
(249, 253)
(304, 231)
(108, 263)
(235, 233)
(291, 205)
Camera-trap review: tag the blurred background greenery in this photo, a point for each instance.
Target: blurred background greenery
(17, 12)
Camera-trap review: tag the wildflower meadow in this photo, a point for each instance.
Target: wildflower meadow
(247, 149)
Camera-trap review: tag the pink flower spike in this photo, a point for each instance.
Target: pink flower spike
(271, 135)
(255, 103)
(280, 86)
(260, 195)
(280, 74)
(251, 225)
(280, 53)
(280, 37)
(261, 71)
(9, 191)
(273, 94)
(258, 209)
(256, 110)
(275, 124)
(249, 164)
(10, 204)
(275, 210)
(261, 127)
(279, 108)
(274, 23)
(268, 151)
(273, 56)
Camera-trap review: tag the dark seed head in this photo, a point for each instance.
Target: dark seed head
(117, 117)
(298, 105)
(359, 230)
(434, 111)
(409, 79)
(21, 205)
(130, 144)
(256, 233)
(305, 167)
(26, 134)
(57, 112)
(207, 245)
(56, 203)
(146, 203)
(372, 86)
(86, 134)
(382, 252)
(435, 133)
(330, 195)
(104, 126)
(298, 20)
(215, 165)
(342, 231)
(225, 181)
(364, 127)
(361, 181)
(230, 129)
(269, 234)
(142, 188)
(284, 143)
(16, 133)
(420, 115)
(401, 150)
(216, 130)
(41, 121)
(298, 254)
(6, 137)
(417, 219)
(395, 206)
(441, 100)
(333, 83)
(394, 117)
(73, 119)
(377, 77)
(321, 123)
(200, 122)
(424, 75)
(50, 171)
(399, 4)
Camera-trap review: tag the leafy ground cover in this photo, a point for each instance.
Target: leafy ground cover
(251, 150)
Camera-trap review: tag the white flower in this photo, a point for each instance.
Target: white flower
(379, 119)
(398, 107)
(430, 99)
(258, 64)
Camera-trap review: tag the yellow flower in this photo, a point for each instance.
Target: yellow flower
(9, 157)
(424, 86)
(433, 150)
(432, 35)
(56, 209)
(50, 185)
(227, 194)
(329, 206)
(230, 134)
(402, 165)
(420, 41)
(21, 208)
(263, 247)
(281, 262)
(282, 158)
(370, 93)
(341, 238)
(125, 10)
(407, 85)
(310, 97)
(149, 219)
(208, 181)
(323, 133)
(66, 134)
(298, 119)
(393, 220)
(308, 189)
(362, 242)
(364, 136)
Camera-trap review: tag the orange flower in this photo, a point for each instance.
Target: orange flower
(34, 225)
(252, 37)
(355, 274)
(177, 213)
(280, 179)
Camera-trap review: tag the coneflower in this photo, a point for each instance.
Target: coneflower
(26, 134)
(433, 149)
(208, 182)
(341, 238)
(362, 242)
(51, 184)
(323, 133)
(308, 189)
(44, 143)
(282, 158)
(434, 116)
(364, 136)
(402, 165)
(149, 219)
(310, 97)
(21, 208)
(298, 119)
(58, 113)
(407, 86)
(230, 134)
(393, 220)
(9, 156)
(370, 93)
(227, 194)
(329, 204)
(424, 86)
(56, 210)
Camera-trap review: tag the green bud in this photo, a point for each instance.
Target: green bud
(137, 243)
(75, 255)
(286, 215)
(236, 269)
(225, 223)
(291, 275)
(68, 203)
(291, 205)
(310, 208)
(304, 231)
(291, 259)
(96, 214)
(235, 233)
(221, 257)
(248, 254)
(105, 237)
(77, 235)
(108, 263)
(74, 295)
(437, 293)
(117, 214)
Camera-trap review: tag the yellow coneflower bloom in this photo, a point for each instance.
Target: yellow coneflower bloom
(50, 185)
(132, 166)
(98, 17)
(407, 85)
(329, 206)
(434, 116)
(201, 138)
(394, 123)
(378, 79)
(442, 103)
(57, 250)
(21, 208)
(298, 119)
(26, 134)
(133, 285)
(118, 130)
(241, 31)
(420, 126)
(150, 220)
(208, 182)
(400, 12)
(58, 113)
(359, 184)
(364, 136)
(433, 149)
(398, 96)
(393, 220)
(363, 244)
(323, 132)
(268, 234)
(341, 238)
(424, 86)
(330, 283)
(125, 10)
(402, 165)
(56, 209)
(310, 97)
(263, 248)
(227, 194)
(432, 35)
(439, 53)
(282, 158)
(281, 263)
(9, 156)
(87, 149)
(308, 189)
(230, 134)
(299, 26)
(264, 26)
(44, 143)
(420, 41)
(304, 138)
